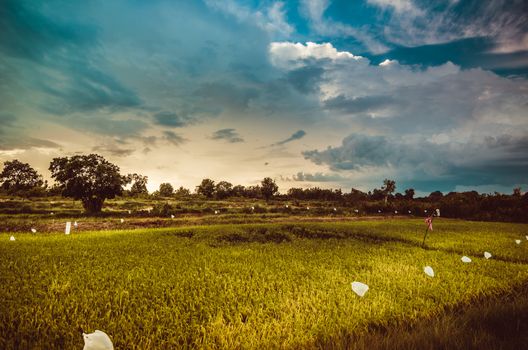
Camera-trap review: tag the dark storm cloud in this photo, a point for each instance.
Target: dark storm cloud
(358, 151)
(12, 137)
(59, 58)
(170, 119)
(89, 89)
(299, 134)
(173, 138)
(113, 150)
(105, 124)
(81, 65)
(229, 135)
(305, 79)
(227, 95)
(493, 160)
(29, 34)
(6, 120)
(12, 142)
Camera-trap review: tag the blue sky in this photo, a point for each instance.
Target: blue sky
(335, 94)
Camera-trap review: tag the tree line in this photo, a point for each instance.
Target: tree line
(92, 179)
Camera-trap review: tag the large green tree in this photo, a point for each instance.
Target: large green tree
(17, 177)
(88, 178)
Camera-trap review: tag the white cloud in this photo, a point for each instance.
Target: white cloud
(291, 55)
(388, 63)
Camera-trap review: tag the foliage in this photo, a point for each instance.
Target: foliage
(18, 177)
(355, 195)
(223, 189)
(88, 178)
(182, 192)
(315, 193)
(409, 193)
(436, 195)
(268, 188)
(166, 190)
(253, 192)
(206, 188)
(163, 209)
(139, 184)
(238, 191)
(378, 194)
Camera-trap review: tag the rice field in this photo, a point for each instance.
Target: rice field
(254, 286)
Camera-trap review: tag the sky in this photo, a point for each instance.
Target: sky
(333, 94)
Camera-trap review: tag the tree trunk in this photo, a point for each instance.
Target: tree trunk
(92, 205)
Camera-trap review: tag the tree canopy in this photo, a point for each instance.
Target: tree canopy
(166, 189)
(17, 176)
(224, 189)
(206, 188)
(139, 184)
(268, 187)
(89, 178)
(409, 193)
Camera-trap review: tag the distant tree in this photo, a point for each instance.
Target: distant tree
(409, 193)
(357, 195)
(166, 190)
(139, 184)
(253, 192)
(389, 186)
(54, 190)
(295, 193)
(377, 194)
(182, 192)
(206, 188)
(315, 193)
(17, 177)
(88, 178)
(238, 191)
(223, 189)
(268, 188)
(517, 192)
(436, 195)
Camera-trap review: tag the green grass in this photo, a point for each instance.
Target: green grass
(254, 286)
